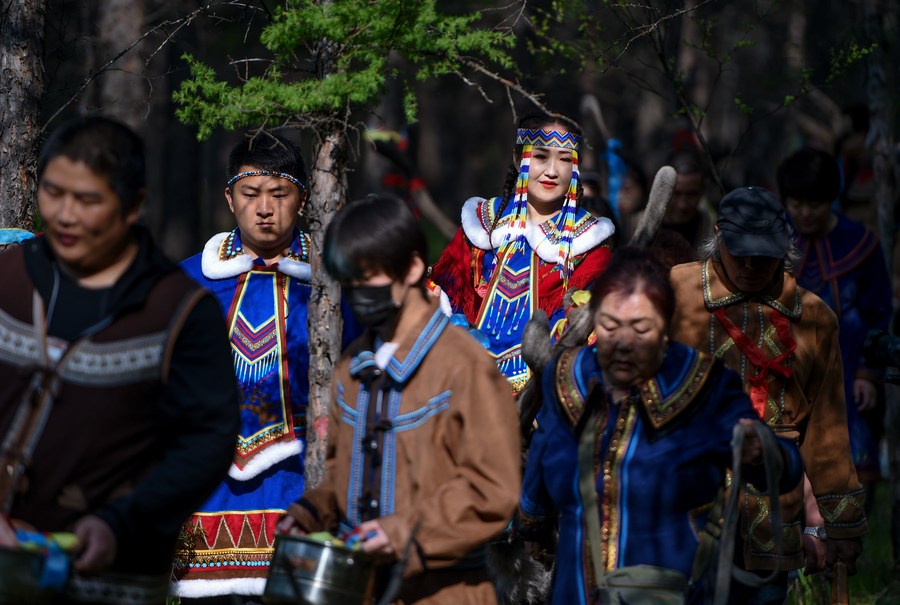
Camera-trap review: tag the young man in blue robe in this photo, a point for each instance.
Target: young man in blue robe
(260, 274)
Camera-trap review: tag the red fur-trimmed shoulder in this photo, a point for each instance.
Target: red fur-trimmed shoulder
(589, 267)
(453, 273)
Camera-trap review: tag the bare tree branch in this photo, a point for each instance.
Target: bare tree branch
(178, 23)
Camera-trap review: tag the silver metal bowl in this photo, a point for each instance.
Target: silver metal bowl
(19, 573)
(308, 572)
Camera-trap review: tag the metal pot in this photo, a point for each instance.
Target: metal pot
(19, 573)
(308, 572)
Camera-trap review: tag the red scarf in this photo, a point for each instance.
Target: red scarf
(759, 384)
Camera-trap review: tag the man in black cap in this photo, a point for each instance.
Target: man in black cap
(741, 303)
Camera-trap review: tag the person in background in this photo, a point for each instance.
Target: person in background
(843, 263)
(115, 420)
(741, 303)
(439, 464)
(523, 250)
(260, 274)
(687, 213)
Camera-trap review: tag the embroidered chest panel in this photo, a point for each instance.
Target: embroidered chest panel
(507, 307)
(383, 460)
(257, 333)
(88, 363)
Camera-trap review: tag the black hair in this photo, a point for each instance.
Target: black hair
(376, 233)
(809, 175)
(687, 160)
(634, 269)
(532, 121)
(109, 148)
(268, 151)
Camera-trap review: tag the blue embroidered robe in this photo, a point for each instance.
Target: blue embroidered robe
(266, 317)
(666, 454)
(847, 270)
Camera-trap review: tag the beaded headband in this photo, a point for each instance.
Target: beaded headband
(566, 220)
(543, 138)
(283, 175)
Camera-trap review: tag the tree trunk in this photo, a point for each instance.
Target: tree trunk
(329, 192)
(123, 92)
(21, 89)
(881, 144)
(880, 128)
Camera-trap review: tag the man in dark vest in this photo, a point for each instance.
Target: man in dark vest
(117, 411)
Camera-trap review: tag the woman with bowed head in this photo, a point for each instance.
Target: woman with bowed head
(523, 250)
(633, 442)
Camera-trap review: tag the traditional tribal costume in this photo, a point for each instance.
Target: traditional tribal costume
(412, 445)
(660, 457)
(785, 346)
(846, 269)
(266, 317)
(136, 425)
(500, 268)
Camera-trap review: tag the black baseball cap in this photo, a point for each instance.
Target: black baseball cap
(753, 223)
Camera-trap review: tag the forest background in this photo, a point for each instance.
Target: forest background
(754, 79)
(749, 81)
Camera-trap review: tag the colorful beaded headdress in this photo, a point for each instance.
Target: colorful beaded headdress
(547, 138)
(283, 175)
(529, 138)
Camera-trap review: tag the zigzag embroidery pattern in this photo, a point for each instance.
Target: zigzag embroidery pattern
(238, 530)
(254, 349)
(513, 284)
(542, 138)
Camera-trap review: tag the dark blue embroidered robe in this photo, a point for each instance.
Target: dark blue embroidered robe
(666, 449)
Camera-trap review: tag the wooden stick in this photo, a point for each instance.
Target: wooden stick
(840, 589)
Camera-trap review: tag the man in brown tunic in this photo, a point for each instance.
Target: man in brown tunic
(423, 443)
(740, 303)
(115, 418)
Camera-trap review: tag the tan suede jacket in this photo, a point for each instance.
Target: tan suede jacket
(450, 460)
(803, 398)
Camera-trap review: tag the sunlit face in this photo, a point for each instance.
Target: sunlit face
(685, 199)
(549, 175)
(810, 219)
(266, 209)
(631, 338)
(82, 216)
(749, 274)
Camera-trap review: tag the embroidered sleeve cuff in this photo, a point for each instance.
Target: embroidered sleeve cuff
(844, 514)
(306, 516)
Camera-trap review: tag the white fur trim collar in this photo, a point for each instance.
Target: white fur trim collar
(192, 589)
(295, 268)
(266, 459)
(593, 233)
(214, 267)
(472, 226)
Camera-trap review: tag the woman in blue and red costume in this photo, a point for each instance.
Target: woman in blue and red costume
(523, 250)
(659, 416)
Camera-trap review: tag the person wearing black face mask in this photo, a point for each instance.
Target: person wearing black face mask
(438, 461)
(373, 307)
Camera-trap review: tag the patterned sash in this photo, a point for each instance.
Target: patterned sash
(759, 384)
